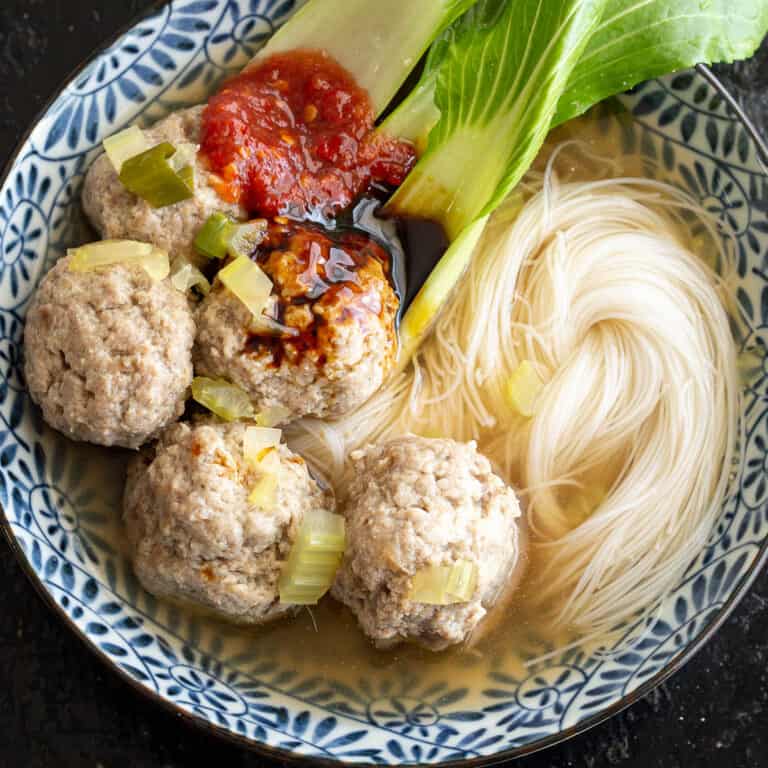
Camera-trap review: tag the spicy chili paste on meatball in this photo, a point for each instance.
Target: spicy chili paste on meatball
(117, 213)
(294, 134)
(333, 340)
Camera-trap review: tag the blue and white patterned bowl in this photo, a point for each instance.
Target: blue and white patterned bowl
(61, 501)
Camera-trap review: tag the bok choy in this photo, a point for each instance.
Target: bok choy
(380, 43)
(499, 73)
(502, 75)
(636, 41)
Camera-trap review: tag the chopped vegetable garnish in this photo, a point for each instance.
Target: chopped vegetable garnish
(248, 282)
(88, 258)
(315, 557)
(220, 236)
(226, 400)
(213, 238)
(124, 145)
(523, 388)
(270, 417)
(152, 177)
(444, 584)
(188, 276)
(243, 238)
(264, 493)
(184, 157)
(257, 441)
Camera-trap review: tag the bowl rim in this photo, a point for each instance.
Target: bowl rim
(276, 753)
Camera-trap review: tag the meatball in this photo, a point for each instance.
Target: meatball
(193, 534)
(337, 307)
(117, 213)
(108, 353)
(413, 503)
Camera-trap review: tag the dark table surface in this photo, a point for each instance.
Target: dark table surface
(61, 707)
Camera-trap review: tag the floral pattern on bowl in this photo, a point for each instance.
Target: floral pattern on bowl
(61, 500)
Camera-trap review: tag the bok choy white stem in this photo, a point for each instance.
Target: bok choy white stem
(378, 42)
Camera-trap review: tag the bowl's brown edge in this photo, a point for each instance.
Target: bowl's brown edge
(279, 754)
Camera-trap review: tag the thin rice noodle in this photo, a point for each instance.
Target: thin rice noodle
(625, 464)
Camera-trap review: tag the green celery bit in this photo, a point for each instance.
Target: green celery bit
(187, 175)
(124, 145)
(213, 238)
(242, 239)
(226, 400)
(523, 388)
(188, 276)
(379, 43)
(220, 236)
(151, 177)
(444, 584)
(315, 557)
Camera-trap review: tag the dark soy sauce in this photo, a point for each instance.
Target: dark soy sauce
(415, 245)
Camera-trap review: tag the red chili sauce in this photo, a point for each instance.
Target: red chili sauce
(294, 135)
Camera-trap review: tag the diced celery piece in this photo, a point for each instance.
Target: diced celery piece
(213, 237)
(462, 580)
(184, 156)
(226, 400)
(272, 416)
(444, 584)
(327, 534)
(124, 145)
(188, 276)
(156, 264)
(428, 586)
(247, 281)
(266, 461)
(523, 389)
(93, 256)
(187, 175)
(314, 559)
(220, 236)
(258, 439)
(151, 176)
(242, 239)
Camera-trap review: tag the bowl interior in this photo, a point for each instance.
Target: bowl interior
(62, 500)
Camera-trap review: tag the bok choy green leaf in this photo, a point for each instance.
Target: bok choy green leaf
(378, 42)
(636, 40)
(497, 88)
(641, 39)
